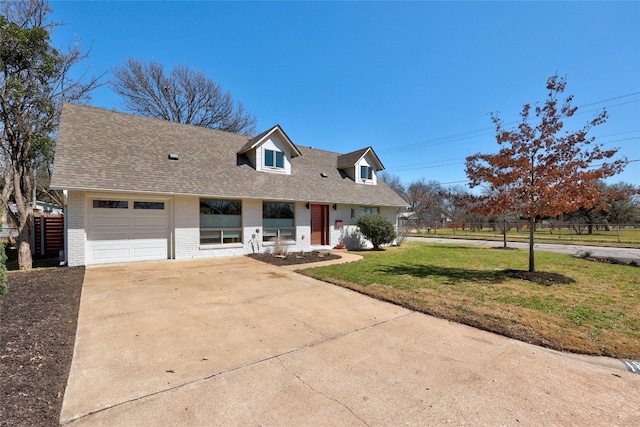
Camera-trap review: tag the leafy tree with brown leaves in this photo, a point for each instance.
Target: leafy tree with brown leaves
(541, 171)
(182, 96)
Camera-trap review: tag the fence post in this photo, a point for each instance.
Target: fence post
(33, 234)
(42, 234)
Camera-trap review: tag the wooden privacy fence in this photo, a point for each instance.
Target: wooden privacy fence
(48, 232)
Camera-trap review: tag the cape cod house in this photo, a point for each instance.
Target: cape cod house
(138, 188)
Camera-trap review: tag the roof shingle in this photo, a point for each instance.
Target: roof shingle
(106, 150)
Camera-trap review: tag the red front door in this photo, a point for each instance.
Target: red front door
(319, 224)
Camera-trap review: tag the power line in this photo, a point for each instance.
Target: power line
(490, 129)
(439, 163)
(618, 140)
(606, 106)
(610, 99)
(426, 167)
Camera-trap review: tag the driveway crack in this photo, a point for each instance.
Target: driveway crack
(246, 365)
(308, 326)
(310, 387)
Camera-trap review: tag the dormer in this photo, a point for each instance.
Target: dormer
(361, 166)
(271, 151)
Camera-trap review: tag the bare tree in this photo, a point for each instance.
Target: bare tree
(394, 182)
(183, 96)
(34, 80)
(28, 13)
(426, 199)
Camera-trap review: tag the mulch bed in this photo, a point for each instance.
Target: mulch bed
(37, 333)
(294, 258)
(540, 277)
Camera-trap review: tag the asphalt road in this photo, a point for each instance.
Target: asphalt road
(623, 254)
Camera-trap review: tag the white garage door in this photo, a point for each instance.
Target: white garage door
(120, 230)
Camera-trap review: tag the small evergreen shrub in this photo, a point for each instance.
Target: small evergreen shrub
(377, 229)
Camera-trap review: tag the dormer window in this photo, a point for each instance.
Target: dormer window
(274, 159)
(366, 173)
(270, 152)
(361, 166)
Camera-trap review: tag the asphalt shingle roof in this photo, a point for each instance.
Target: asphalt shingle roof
(350, 159)
(100, 150)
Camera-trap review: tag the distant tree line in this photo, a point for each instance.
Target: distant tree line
(433, 207)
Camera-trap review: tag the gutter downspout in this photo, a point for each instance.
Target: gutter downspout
(65, 260)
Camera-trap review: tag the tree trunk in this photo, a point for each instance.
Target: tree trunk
(25, 261)
(532, 226)
(504, 231)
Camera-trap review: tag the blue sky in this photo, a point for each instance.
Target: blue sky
(417, 81)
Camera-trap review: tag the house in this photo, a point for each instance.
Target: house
(138, 188)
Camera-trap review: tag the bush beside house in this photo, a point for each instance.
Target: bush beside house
(377, 229)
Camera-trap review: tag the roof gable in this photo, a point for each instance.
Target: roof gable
(351, 159)
(255, 142)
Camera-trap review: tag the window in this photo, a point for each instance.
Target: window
(278, 221)
(367, 210)
(274, 159)
(366, 172)
(111, 204)
(220, 221)
(148, 205)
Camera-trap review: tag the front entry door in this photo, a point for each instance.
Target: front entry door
(319, 224)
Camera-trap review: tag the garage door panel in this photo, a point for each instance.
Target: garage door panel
(111, 255)
(150, 234)
(107, 221)
(109, 235)
(149, 253)
(120, 235)
(150, 222)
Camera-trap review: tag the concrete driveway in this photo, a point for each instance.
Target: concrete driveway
(238, 342)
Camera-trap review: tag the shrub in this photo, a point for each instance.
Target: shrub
(377, 229)
(279, 247)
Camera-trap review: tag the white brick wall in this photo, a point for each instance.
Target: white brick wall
(185, 229)
(76, 236)
(252, 221)
(186, 221)
(349, 234)
(303, 228)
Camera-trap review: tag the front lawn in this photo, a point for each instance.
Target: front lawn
(598, 312)
(624, 237)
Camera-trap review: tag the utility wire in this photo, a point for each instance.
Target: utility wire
(490, 129)
(458, 161)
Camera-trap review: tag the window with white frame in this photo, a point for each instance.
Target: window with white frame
(274, 159)
(220, 221)
(278, 221)
(366, 173)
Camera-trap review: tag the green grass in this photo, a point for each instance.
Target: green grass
(598, 313)
(623, 237)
